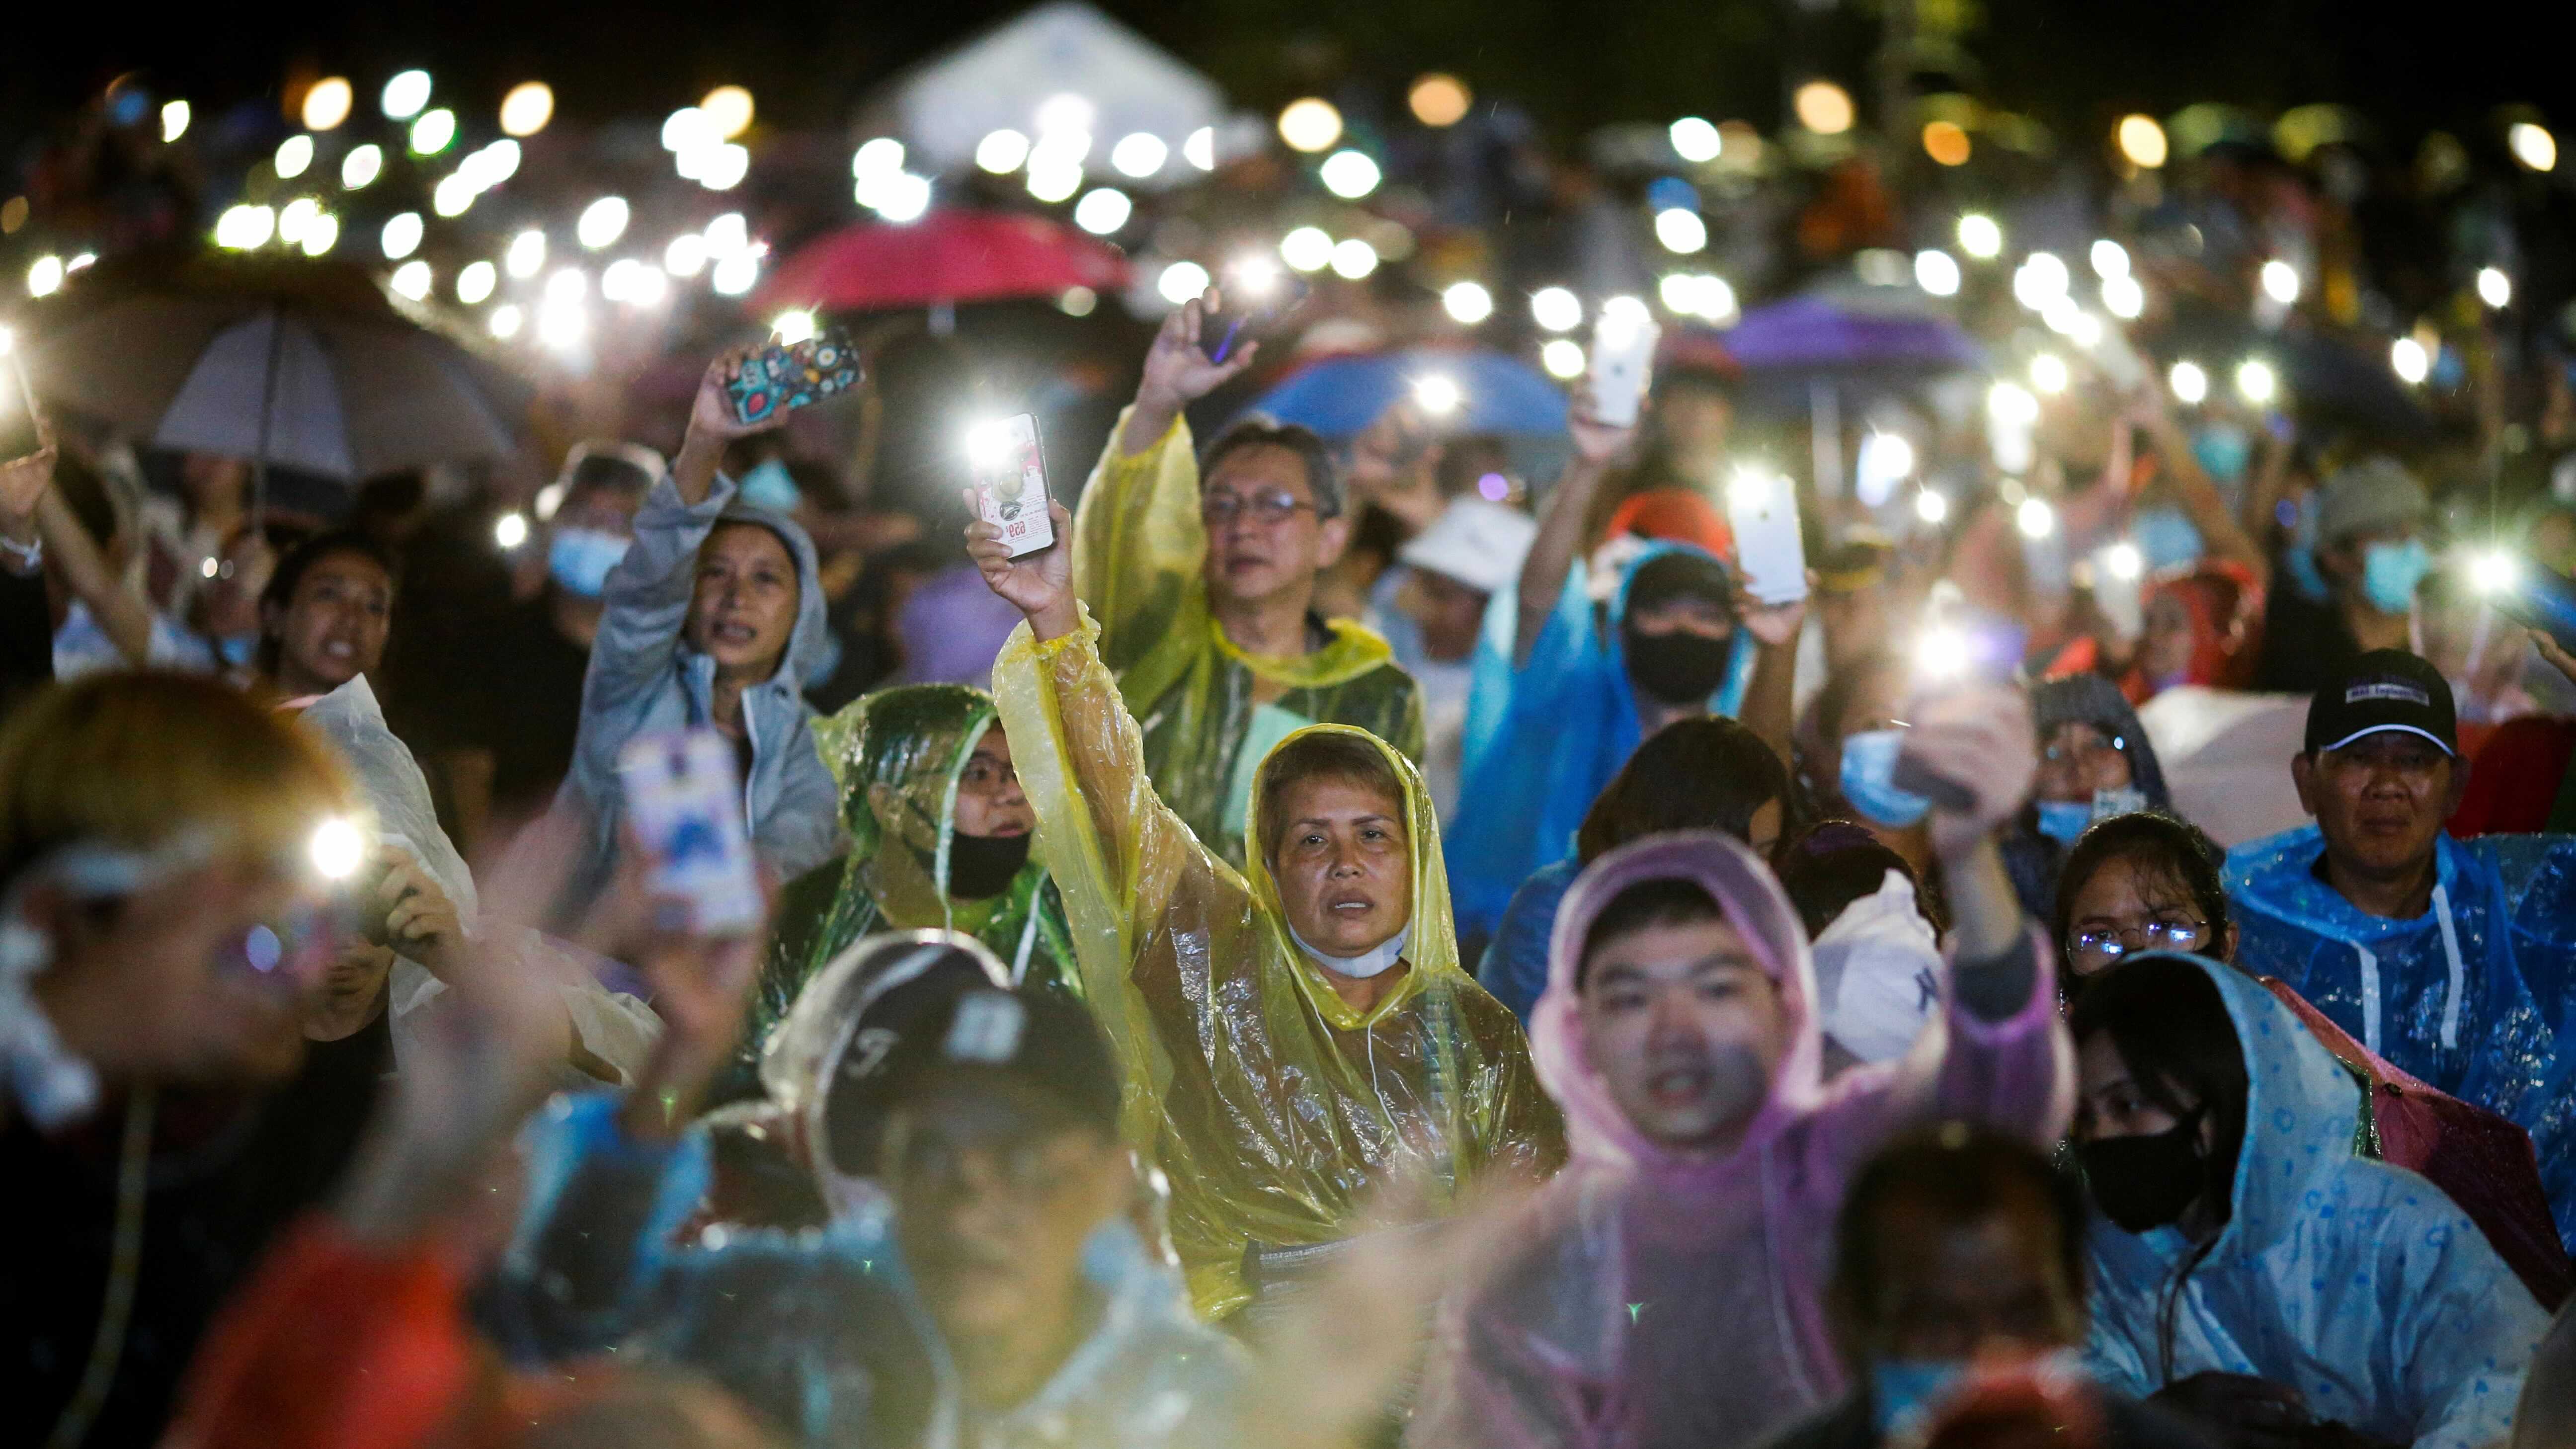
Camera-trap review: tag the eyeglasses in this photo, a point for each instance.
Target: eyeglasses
(2101, 947)
(1266, 506)
(986, 777)
(2083, 748)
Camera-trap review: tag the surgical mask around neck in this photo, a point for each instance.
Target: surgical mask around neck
(2391, 572)
(580, 559)
(1370, 963)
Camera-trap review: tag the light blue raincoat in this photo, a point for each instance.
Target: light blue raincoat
(2356, 1283)
(2466, 996)
(1565, 723)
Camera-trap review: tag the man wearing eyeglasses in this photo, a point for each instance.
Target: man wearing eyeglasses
(2450, 958)
(1201, 571)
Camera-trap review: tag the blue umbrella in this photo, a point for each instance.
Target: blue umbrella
(1340, 396)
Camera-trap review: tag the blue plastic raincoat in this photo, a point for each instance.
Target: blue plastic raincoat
(1569, 721)
(2465, 996)
(2356, 1283)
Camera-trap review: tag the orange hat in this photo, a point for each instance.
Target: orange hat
(1678, 514)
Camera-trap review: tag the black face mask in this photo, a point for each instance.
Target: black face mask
(2146, 1182)
(980, 866)
(1677, 668)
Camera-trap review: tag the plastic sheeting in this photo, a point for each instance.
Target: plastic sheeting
(1659, 1298)
(2358, 1284)
(1139, 553)
(2226, 758)
(1272, 1105)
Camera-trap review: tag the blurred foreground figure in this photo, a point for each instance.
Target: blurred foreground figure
(1292, 1035)
(1667, 1289)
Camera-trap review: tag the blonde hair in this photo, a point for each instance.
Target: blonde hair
(137, 759)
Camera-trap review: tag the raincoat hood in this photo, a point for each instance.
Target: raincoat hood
(1596, 1130)
(915, 740)
(2093, 700)
(396, 790)
(809, 642)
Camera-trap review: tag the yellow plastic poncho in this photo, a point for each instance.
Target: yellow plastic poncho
(1272, 1105)
(1139, 553)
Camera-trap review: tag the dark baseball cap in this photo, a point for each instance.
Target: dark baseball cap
(1039, 1041)
(2385, 689)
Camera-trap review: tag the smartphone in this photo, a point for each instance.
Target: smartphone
(1623, 363)
(1009, 469)
(685, 801)
(19, 436)
(1264, 298)
(782, 379)
(1762, 509)
(2539, 597)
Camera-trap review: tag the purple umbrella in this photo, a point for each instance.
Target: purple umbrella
(1817, 335)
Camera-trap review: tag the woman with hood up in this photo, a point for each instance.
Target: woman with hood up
(2094, 762)
(2250, 1268)
(713, 618)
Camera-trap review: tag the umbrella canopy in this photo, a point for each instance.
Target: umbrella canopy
(947, 256)
(1818, 335)
(295, 365)
(1340, 396)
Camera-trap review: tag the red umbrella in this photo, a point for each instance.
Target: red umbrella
(947, 256)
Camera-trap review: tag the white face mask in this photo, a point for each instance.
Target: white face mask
(1369, 963)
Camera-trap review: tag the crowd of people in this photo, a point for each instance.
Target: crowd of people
(1327, 952)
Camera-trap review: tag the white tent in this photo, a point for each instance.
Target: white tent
(1060, 67)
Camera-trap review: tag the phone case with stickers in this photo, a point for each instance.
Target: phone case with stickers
(775, 380)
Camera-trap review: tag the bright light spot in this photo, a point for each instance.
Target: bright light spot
(412, 279)
(1696, 140)
(327, 102)
(602, 222)
(2048, 373)
(452, 195)
(1980, 236)
(1349, 175)
(1182, 282)
(2408, 358)
(2061, 315)
(1749, 489)
(1438, 395)
(727, 235)
(686, 129)
(1066, 112)
(2494, 573)
(2039, 277)
(903, 197)
(2124, 561)
(361, 166)
(1353, 259)
(2011, 403)
(476, 282)
(2124, 297)
(1886, 459)
(636, 283)
(728, 111)
(2281, 282)
(1946, 143)
(1680, 230)
(45, 275)
(1557, 310)
(1310, 124)
(510, 529)
(174, 120)
(2082, 327)
(527, 108)
(1102, 211)
(1562, 357)
(2532, 145)
(1438, 100)
(2035, 518)
(883, 156)
(294, 217)
(563, 326)
(2494, 287)
(321, 234)
(401, 236)
(242, 228)
(1077, 301)
(686, 256)
(1624, 311)
(294, 155)
(1931, 506)
(2256, 382)
(1052, 178)
(2110, 259)
(1697, 294)
(1941, 652)
(78, 261)
(721, 168)
(2189, 383)
(405, 94)
(791, 328)
(1823, 107)
(1199, 149)
(570, 284)
(1308, 249)
(507, 320)
(1000, 152)
(527, 253)
(1139, 154)
(339, 847)
(431, 133)
(1468, 302)
(2141, 140)
(1937, 272)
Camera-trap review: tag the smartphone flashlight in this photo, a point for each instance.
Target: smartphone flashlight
(1438, 395)
(1942, 653)
(988, 443)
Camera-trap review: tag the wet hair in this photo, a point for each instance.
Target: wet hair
(1834, 863)
(301, 560)
(2170, 1026)
(2174, 850)
(1961, 1176)
(1704, 773)
(1259, 430)
(1669, 901)
(1327, 756)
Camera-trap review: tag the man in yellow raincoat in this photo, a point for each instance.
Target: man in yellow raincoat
(1205, 594)
(1293, 1034)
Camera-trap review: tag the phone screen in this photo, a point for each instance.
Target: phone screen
(1762, 509)
(1623, 357)
(18, 435)
(685, 801)
(1011, 483)
(783, 378)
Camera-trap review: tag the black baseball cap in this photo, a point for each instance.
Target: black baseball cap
(2385, 689)
(1039, 1040)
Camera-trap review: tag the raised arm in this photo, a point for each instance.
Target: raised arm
(1560, 525)
(2221, 531)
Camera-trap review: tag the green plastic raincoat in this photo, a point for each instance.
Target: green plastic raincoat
(914, 740)
(1139, 553)
(1272, 1105)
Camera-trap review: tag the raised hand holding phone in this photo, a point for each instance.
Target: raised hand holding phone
(1010, 491)
(1040, 584)
(1178, 372)
(1623, 359)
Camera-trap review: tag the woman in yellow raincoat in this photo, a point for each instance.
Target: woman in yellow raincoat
(1296, 1033)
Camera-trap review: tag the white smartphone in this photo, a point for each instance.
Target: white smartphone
(1011, 483)
(685, 800)
(1762, 508)
(1623, 363)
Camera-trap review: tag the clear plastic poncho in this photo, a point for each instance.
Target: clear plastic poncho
(2356, 1283)
(1270, 1103)
(1652, 1299)
(1139, 555)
